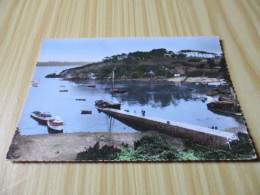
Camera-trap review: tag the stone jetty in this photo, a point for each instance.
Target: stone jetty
(201, 135)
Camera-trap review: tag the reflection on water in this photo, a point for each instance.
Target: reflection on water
(171, 101)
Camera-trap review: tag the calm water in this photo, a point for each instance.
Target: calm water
(172, 101)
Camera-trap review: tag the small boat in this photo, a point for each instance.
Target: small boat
(86, 112)
(105, 104)
(34, 84)
(41, 117)
(80, 99)
(221, 82)
(214, 83)
(55, 125)
(91, 85)
(64, 90)
(119, 91)
(114, 88)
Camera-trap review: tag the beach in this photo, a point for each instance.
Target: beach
(65, 146)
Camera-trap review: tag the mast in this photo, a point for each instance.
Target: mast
(113, 78)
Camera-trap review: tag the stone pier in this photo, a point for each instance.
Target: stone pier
(201, 135)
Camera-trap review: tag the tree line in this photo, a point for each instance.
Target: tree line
(158, 53)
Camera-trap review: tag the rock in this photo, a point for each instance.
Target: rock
(216, 91)
(54, 75)
(227, 106)
(225, 99)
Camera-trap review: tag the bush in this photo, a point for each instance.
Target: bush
(201, 66)
(157, 148)
(97, 153)
(194, 60)
(195, 73)
(149, 148)
(241, 149)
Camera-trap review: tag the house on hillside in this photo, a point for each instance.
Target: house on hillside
(204, 60)
(176, 75)
(217, 60)
(151, 73)
(121, 57)
(166, 55)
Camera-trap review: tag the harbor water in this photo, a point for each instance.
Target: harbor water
(180, 102)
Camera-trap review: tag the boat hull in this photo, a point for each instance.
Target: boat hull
(119, 91)
(39, 120)
(108, 105)
(54, 129)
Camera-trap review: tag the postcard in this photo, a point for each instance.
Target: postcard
(131, 99)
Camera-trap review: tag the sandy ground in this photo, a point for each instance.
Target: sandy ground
(201, 80)
(65, 146)
(177, 79)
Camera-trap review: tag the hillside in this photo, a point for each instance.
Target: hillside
(157, 63)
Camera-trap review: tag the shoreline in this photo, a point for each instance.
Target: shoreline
(170, 80)
(66, 146)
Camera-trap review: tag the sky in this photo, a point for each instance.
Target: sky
(95, 49)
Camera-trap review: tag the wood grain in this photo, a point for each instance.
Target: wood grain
(23, 25)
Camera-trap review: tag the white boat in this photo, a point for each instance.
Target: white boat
(34, 84)
(41, 117)
(220, 82)
(55, 125)
(215, 83)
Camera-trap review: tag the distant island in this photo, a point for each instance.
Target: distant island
(157, 64)
(54, 63)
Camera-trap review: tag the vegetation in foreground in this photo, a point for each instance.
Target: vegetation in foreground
(157, 148)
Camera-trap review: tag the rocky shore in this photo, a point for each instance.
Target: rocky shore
(227, 101)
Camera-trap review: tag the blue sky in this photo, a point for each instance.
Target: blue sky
(95, 49)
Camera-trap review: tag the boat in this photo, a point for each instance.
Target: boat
(221, 82)
(41, 117)
(34, 84)
(80, 99)
(119, 91)
(86, 112)
(64, 90)
(55, 125)
(91, 85)
(105, 104)
(114, 88)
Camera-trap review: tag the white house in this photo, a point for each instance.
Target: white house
(151, 73)
(166, 55)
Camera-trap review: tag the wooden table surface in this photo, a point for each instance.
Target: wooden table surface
(23, 25)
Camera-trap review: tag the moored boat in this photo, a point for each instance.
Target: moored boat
(91, 85)
(55, 125)
(105, 104)
(86, 112)
(34, 84)
(119, 91)
(63, 90)
(80, 99)
(41, 117)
